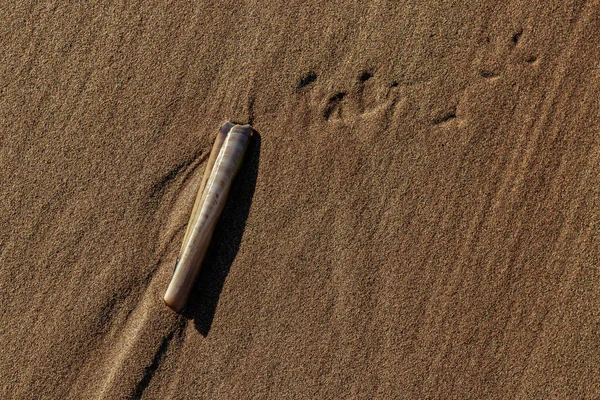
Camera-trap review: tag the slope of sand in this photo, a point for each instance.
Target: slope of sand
(419, 217)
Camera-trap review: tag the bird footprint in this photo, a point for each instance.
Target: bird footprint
(367, 98)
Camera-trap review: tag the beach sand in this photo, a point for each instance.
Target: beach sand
(418, 216)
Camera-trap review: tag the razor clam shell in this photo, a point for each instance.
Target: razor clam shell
(214, 153)
(212, 203)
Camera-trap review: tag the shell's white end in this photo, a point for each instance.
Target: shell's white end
(174, 302)
(175, 297)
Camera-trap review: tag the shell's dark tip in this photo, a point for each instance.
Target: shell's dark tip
(243, 129)
(226, 127)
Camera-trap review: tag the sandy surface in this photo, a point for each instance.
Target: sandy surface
(419, 217)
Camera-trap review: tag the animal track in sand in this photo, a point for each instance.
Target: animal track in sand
(488, 74)
(529, 59)
(517, 36)
(333, 105)
(445, 117)
(366, 98)
(515, 51)
(306, 80)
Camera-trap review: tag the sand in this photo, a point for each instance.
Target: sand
(418, 217)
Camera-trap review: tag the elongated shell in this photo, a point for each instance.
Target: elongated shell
(214, 153)
(212, 202)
